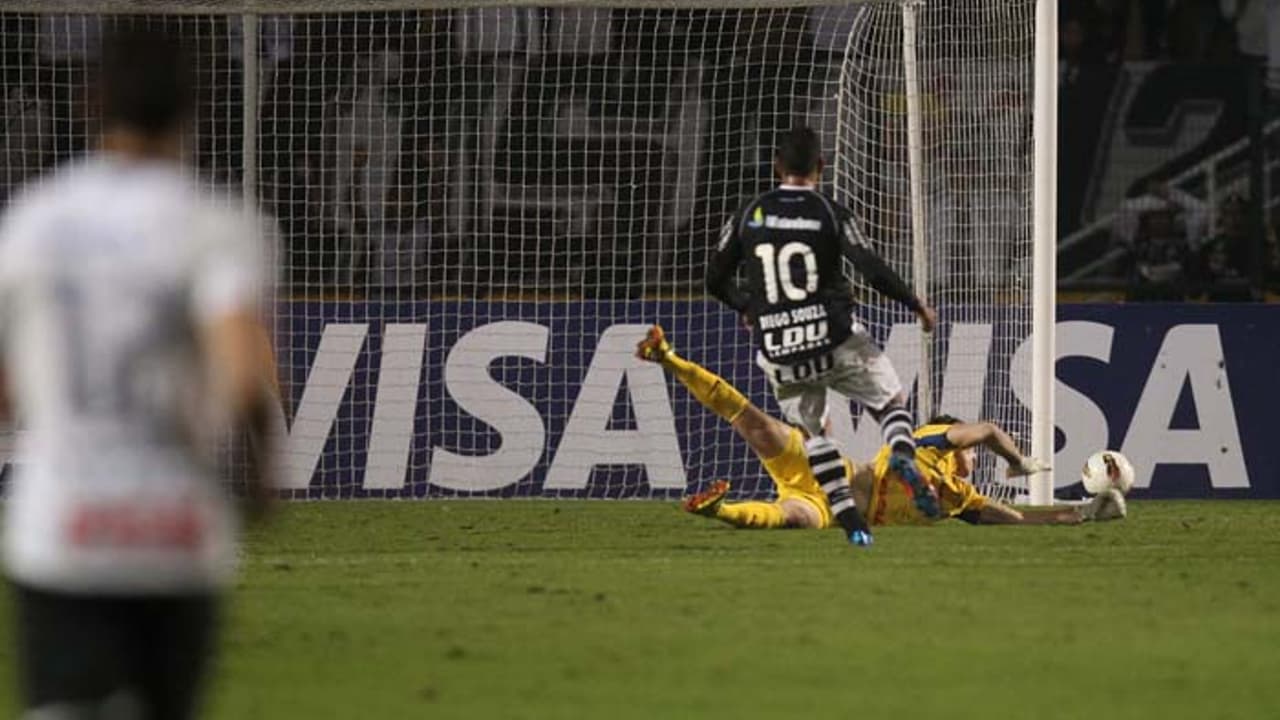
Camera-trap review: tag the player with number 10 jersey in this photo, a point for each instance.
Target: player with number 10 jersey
(792, 241)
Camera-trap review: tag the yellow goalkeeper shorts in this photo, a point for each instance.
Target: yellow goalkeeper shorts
(794, 480)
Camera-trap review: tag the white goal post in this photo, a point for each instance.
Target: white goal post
(1045, 271)
(480, 202)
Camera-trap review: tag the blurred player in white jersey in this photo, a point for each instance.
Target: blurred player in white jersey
(128, 327)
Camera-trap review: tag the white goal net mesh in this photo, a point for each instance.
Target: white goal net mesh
(974, 66)
(480, 208)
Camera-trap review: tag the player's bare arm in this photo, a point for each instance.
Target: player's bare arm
(243, 374)
(992, 437)
(1108, 505)
(995, 513)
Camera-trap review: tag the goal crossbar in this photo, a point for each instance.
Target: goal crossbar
(274, 7)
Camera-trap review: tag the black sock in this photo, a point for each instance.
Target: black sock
(829, 468)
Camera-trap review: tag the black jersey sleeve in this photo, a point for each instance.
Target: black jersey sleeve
(857, 248)
(722, 270)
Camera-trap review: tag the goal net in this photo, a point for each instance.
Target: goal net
(956, 218)
(480, 209)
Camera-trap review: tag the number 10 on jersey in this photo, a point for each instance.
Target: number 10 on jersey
(777, 271)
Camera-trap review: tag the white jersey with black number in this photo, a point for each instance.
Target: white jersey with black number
(107, 270)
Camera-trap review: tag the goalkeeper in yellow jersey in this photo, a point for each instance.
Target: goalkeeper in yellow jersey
(946, 455)
(946, 459)
(811, 476)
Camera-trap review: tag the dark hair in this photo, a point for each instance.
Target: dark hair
(144, 81)
(800, 151)
(945, 419)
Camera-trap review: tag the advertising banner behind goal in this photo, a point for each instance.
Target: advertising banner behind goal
(539, 399)
(544, 400)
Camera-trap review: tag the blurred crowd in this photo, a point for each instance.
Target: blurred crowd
(460, 152)
(1194, 240)
(1174, 254)
(413, 150)
(1216, 31)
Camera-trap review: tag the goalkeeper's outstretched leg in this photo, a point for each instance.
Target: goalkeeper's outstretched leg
(812, 482)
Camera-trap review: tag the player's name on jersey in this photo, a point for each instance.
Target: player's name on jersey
(808, 313)
(775, 222)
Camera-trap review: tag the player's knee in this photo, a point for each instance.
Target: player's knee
(759, 438)
(752, 426)
(766, 436)
(799, 514)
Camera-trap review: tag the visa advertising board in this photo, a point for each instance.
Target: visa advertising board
(538, 399)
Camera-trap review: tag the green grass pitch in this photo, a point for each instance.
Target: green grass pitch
(542, 609)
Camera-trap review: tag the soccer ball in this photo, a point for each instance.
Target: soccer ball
(1107, 469)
